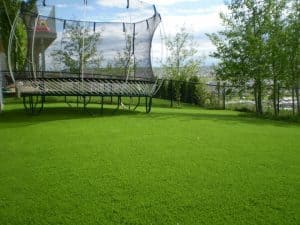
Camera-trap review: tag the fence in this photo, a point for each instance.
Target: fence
(224, 96)
(197, 93)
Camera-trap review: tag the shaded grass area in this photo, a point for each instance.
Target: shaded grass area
(172, 166)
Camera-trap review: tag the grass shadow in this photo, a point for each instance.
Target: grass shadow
(15, 116)
(18, 117)
(219, 115)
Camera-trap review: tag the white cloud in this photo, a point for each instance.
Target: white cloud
(215, 10)
(195, 20)
(109, 3)
(169, 2)
(61, 5)
(120, 3)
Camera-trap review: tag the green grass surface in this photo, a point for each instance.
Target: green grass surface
(172, 166)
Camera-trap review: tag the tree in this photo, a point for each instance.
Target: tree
(8, 13)
(124, 59)
(252, 47)
(184, 61)
(275, 54)
(292, 48)
(79, 48)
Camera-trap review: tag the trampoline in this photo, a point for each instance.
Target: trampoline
(86, 48)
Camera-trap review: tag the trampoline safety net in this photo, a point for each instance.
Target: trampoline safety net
(89, 47)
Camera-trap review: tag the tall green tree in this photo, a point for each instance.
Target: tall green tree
(8, 12)
(292, 48)
(79, 49)
(252, 48)
(124, 60)
(184, 61)
(275, 52)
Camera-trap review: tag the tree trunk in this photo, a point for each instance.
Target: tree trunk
(259, 101)
(293, 101)
(258, 97)
(224, 97)
(297, 98)
(278, 98)
(178, 92)
(275, 96)
(255, 98)
(219, 94)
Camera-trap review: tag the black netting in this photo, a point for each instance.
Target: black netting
(90, 39)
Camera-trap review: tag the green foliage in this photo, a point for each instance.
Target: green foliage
(201, 94)
(293, 49)
(124, 60)
(183, 61)
(8, 12)
(260, 46)
(194, 91)
(79, 52)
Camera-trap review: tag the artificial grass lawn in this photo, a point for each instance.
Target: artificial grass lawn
(172, 166)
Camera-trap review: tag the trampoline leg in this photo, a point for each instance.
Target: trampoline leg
(137, 105)
(119, 102)
(68, 103)
(84, 103)
(31, 106)
(24, 103)
(42, 104)
(35, 110)
(148, 104)
(28, 105)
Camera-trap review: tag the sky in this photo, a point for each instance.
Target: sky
(197, 16)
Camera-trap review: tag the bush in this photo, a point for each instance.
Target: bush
(201, 94)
